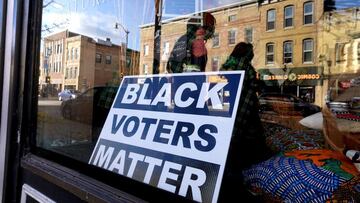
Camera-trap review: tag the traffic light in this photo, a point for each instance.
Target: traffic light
(47, 79)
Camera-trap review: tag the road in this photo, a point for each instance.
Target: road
(55, 133)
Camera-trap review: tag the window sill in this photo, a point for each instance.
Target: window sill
(289, 28)
(308, 25)
(82, 186)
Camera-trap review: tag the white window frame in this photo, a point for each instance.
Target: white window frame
(216, 36)
(246, 37)
(306, 51)
(309, 13)
(145, 69)
(232, 18)
(270, 20)
(108, 59)
(230, 36)
(289, 17)
(146, 50)
(288, 52)
(270, 54)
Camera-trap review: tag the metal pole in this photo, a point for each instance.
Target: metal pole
(157, 36)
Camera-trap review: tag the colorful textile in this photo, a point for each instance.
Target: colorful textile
(348, 115)
(292, 180)
(327, 159)
(271, 129)
(284, 139)
(347, 192)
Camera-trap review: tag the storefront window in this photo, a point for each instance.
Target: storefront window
(117, 107)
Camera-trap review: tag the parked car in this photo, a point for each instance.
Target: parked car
(67, 94)
(286, 104)
(91, 107)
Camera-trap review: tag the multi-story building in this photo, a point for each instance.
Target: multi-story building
(66, 62)
(339, 49)
(235, 23)
(288, 48)
(284, 35)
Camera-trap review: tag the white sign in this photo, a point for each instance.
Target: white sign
(172, 131)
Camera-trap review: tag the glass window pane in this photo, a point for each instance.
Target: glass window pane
(93, 50)
(308, 7)
(289, 11)
(271, 15)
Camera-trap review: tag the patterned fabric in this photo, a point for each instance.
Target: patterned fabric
(347, 115)
(292, 180)
(329, 160)
(271, 129)
(348, 192)
(281, 140)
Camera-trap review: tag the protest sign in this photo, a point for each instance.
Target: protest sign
(172, 131)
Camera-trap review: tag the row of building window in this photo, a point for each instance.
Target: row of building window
(55, 67)
(288, 50)
(56, 46)
(98, 58)
(248, 37)
(308, 16)
(71, 73)
(73, 54)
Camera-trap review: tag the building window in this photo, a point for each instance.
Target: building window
(339, 52)
(68, 54)
(289, 16)
(98, 58)
(71, 73)
(166, 48)
(67, 73)
(231, 18)
(76, 53)
(72, 53)
(75, 72)
(248, 35)
(308, 48)
(232, 37)
(269, 53)
(146, 50)
(216, 40)
(145, 69)
(308, 12)
(270, 21)
(215, 64)
(58, 49)
(288, 52)
(108, 59)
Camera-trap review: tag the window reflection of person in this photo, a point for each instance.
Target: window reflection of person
(247, 145)
(190, 55)
(189, 50)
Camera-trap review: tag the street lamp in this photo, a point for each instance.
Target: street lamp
(118, 26)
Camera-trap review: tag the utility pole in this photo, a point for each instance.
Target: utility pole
(118, 26)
